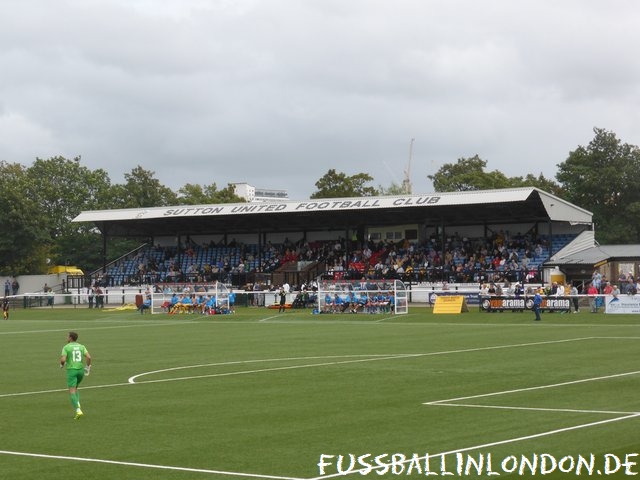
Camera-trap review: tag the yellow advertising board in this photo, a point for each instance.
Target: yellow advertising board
(58, 269)
(450, 304)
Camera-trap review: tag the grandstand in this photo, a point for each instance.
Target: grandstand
(474, 260)
(465, 237)
(151, 264)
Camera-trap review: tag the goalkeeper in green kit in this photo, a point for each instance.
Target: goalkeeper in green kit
(77, 359)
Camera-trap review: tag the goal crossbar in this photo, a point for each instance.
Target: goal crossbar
(370, 296)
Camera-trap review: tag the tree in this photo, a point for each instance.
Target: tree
(192, 194)
(541, 182)
(24, 243)
(337, 185)
(603, 178)
(393, 189)
(142, 190)
(63, 188)
(468, 174)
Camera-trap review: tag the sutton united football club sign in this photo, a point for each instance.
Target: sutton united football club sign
(470, 199)
(321, 205)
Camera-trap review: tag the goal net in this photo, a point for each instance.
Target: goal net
(201, 299)
(366, 296)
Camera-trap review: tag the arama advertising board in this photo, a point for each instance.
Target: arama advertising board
(515, 304)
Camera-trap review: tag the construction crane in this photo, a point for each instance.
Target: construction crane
(406, 182)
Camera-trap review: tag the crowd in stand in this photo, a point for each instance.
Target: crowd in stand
(453, 259)
(498, 258)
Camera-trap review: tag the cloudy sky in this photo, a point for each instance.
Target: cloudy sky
(277, 92)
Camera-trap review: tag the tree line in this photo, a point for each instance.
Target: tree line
(602, 177)
(38, 202)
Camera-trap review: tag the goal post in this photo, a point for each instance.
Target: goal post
(202, 299)
(364, 296)
(402, 298)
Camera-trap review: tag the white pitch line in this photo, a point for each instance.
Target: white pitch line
(148, 465)
(249, 475)
(274, 369)
(535, 409)
(500, 347)
(389, 357)
(390, 318)
(128, 383)
(617, 338)
(145, 324)
(493, 444)
(262, 360)
(57, 390)
(381, 357)
(269, 318)
(528, 389)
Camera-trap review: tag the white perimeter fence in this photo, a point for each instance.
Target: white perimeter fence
(416, 295)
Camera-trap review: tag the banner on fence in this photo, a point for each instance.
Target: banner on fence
(622, 304)
(470, 297)
(499, 304)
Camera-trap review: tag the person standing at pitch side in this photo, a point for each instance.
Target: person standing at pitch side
(283, 300)
(537, 303)
(74, 356)
(5, 308)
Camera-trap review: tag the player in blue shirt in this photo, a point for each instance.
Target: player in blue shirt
(537, 303)
(338, 303)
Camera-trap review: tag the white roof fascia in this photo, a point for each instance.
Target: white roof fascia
(556, 208)
(327, 204)
(582, 242)
(563, 211)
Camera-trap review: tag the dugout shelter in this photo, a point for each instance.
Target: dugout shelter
(414, 217)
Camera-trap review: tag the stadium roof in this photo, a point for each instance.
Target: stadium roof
(597, 254)
(480, 207)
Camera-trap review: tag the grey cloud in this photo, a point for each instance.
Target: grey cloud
(276, 93)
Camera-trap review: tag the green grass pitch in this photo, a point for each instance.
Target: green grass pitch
(262, 395)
